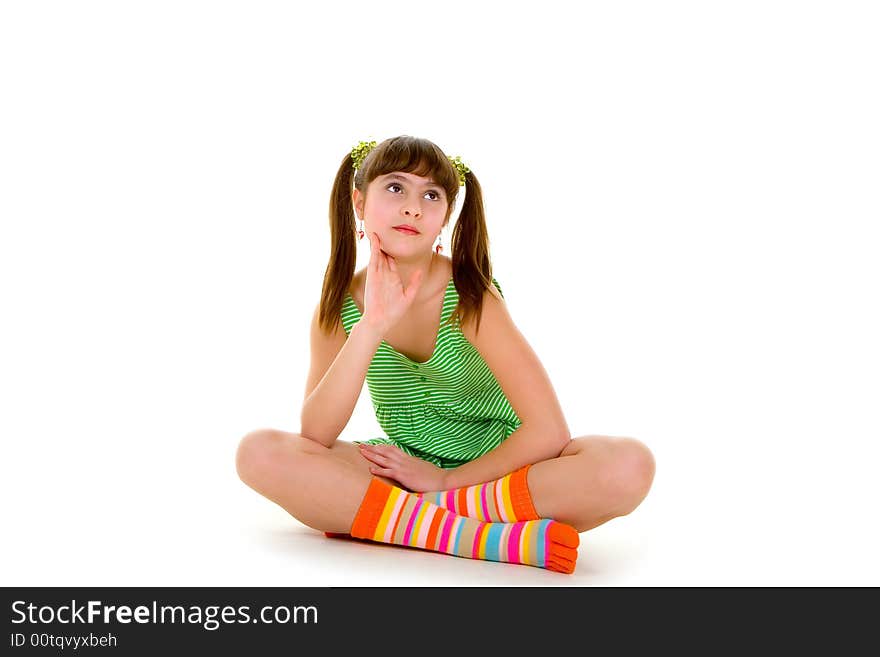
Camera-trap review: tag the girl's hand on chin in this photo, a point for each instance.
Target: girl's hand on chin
(385, 298)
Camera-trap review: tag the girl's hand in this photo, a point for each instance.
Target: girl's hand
(385, 299)
(413, 473)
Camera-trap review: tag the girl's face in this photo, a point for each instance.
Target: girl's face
(398, 200)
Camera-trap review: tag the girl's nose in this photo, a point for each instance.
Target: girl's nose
(412, 211)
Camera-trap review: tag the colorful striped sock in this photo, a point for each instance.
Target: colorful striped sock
(503, 500)
(389, 514)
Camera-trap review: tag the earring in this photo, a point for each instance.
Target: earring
(361, 230)
(439, 246)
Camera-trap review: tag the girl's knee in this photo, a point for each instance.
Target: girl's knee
(263, 450)
(631, 472)
(253, 453)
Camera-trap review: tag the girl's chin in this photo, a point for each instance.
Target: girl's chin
(401, 245)
(403, 253)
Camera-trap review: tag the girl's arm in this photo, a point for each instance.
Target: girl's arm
(544, 432)
(336, 378)
(339, 365)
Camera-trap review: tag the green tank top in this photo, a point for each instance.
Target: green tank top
(448, 410)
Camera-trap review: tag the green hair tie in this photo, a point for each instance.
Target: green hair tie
(461, 167)
(359, 153)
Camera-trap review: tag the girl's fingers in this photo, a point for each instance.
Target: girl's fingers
(373, 259)
(380, 256)
(376, 455)
(376, 254)
(378, 459)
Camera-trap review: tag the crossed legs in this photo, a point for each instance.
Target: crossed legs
(594, 479)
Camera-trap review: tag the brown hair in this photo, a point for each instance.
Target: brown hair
(471, 268)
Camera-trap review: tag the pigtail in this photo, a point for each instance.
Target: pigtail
(343, 248)
(471, 265)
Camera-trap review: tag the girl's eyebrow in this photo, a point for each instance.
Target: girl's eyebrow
(394, 176)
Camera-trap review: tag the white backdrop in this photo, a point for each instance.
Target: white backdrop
(682, 202)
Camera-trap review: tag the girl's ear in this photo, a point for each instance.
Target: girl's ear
(358, 199)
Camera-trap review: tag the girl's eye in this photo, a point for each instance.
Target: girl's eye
(392, 186)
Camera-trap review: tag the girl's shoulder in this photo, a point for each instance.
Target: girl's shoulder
(492, 308)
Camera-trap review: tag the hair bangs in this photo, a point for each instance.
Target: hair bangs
(419, 157)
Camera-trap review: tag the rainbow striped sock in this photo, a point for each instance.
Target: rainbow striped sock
(389, 514)
(503, 500)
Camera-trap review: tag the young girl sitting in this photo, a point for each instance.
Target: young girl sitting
(478, 460)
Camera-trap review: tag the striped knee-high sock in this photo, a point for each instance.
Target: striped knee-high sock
(389, 514)
(504, 500)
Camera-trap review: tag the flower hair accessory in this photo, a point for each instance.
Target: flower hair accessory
(461, 167)
(359, 154)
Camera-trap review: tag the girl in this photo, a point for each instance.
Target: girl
(478, 460)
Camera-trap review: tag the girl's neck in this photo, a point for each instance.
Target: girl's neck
(432, 267)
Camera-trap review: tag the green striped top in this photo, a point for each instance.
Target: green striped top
(448, 410)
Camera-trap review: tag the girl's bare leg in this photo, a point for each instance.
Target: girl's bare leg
(319, 486)
(594, 479)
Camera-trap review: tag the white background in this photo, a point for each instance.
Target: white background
(682, 201)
